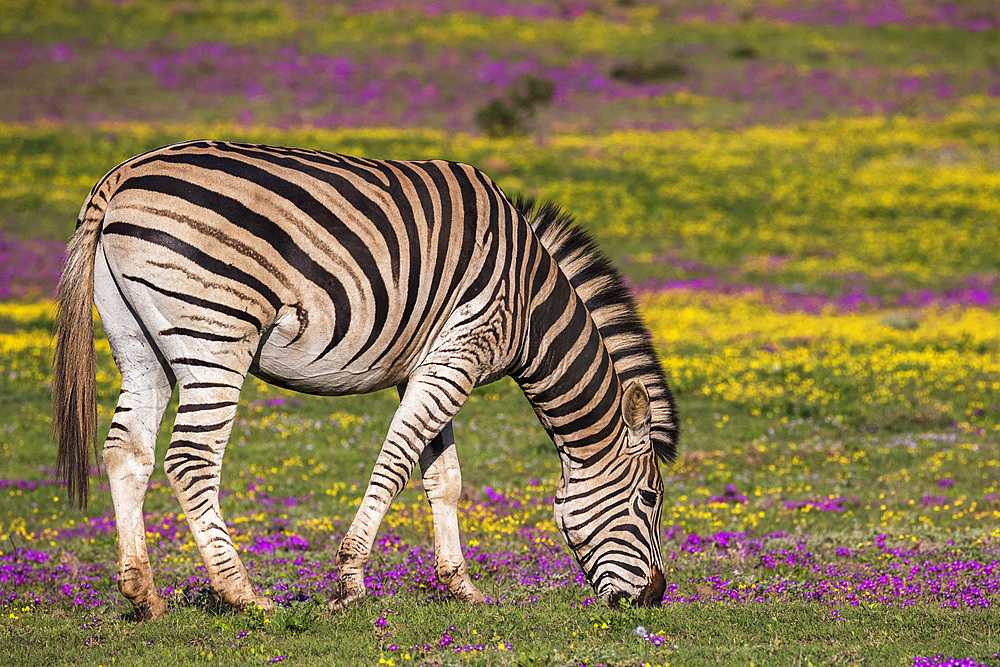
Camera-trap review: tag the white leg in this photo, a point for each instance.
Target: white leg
(442, 478)
(129, 450)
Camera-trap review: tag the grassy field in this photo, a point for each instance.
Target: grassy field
(805, 199)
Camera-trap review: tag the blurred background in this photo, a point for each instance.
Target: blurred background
(497, 67)
(543, 96)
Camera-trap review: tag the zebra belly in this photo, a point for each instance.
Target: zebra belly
(326, 379)
(295, 365)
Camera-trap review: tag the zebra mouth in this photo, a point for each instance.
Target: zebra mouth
(616, 598)
(649, 596)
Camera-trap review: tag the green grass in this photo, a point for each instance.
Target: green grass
(322, 28)
(766, 634)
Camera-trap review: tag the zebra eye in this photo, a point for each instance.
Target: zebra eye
(647, 497)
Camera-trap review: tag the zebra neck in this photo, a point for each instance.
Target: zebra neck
(569, 378)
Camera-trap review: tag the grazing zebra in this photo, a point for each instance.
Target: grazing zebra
(331, 274)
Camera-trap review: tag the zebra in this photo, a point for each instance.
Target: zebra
(331, 274)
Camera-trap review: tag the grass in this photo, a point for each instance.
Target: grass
(835, 500)
(763, 634)
(818, 208)
(311, 63)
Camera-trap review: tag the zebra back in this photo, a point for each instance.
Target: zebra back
(605, 293)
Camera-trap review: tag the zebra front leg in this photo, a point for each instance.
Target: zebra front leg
(193, 464)
(432, 398)
(442, 478)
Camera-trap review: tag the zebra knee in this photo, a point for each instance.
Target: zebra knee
(124, 463)
(126, 454)
(185, 465)
(443, 483)
(179, 476)
(174, 477)
(131, 442)
(200, 434)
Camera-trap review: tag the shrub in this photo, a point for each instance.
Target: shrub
(499, 118)
(646, 72)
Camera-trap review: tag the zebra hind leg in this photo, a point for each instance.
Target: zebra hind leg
(208, 395)
(442, 477)
(129, 456)
(130, 448)
(433, 396)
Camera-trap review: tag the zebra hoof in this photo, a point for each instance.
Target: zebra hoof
(151, 609)
(344, 599)
(468, 594)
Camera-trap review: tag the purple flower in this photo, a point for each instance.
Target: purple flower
(946, 661)
(729, 495)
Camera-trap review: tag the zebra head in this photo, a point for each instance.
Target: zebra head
(609, 511)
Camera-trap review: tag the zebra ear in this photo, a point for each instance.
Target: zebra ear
(637, 415)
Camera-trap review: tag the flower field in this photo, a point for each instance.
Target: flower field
(805, 199)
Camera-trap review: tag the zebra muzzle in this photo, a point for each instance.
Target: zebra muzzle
(652, 594)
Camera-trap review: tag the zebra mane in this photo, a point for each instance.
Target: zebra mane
(603, 290)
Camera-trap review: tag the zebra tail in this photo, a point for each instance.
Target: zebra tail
(74, 367)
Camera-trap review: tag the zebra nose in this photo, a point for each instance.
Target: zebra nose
(652, 594)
